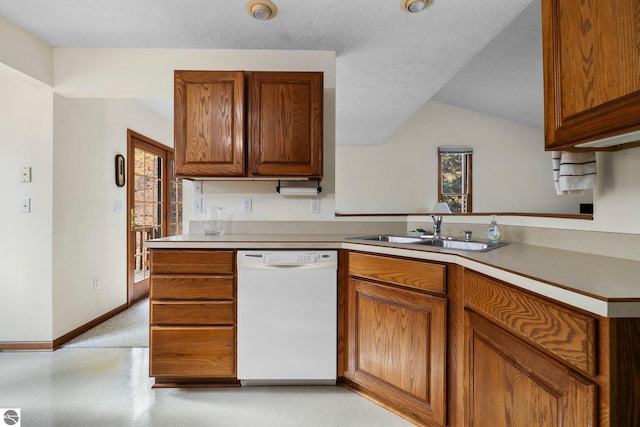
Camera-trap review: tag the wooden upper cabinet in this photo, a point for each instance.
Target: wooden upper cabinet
(591, 70)
(246, 124)
(209, 123)
(286, 124)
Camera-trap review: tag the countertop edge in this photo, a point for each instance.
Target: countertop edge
(562, 292)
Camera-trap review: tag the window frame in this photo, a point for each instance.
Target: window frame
(467, 173)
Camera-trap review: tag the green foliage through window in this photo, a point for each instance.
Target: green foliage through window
(455, 178)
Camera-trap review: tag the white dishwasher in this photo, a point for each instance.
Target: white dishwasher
(287, 317)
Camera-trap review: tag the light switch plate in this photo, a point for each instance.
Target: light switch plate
(197, 187)
(25, 206)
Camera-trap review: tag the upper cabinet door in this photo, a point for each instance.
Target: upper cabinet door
(209, 123)
(285, 110)
(591, 70)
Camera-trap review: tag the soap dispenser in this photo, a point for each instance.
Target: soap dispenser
(493, 232)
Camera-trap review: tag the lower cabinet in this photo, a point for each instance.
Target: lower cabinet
(510, 384)
(529, 361)
(397, 336)
(192, 333)
(193, 352)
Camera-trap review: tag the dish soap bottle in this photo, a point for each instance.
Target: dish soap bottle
(493, 232)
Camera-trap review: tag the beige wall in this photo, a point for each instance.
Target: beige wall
(89, 236)
(511, 172)
(25, 252)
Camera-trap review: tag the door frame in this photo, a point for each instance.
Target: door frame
(163, 150)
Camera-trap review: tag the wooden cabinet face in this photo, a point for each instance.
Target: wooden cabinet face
(397, 347)
(193, 352)
(510, 384)
(209, 123)
(242, 124)
(591, 70)
(286, 124)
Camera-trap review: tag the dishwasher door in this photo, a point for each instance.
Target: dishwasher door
(287, 317)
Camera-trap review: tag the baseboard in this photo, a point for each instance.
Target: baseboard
(60, 341)
(26, 346)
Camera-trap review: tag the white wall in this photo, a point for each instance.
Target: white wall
(148, 73)
(89, 236)
(23, 51)
(25, 252)
(511, 172)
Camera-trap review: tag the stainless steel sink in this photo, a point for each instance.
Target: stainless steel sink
(391, 238)
(461, 244)
(445, 243)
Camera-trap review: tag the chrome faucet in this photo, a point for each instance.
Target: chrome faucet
(437, 220)
(437, 226)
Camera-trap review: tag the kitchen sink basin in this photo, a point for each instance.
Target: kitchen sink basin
(460, 244)
(391, 239)
(427, 240)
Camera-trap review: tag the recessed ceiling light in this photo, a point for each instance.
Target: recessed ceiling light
(413, 6)
(262, 10)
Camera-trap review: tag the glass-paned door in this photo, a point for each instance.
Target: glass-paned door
(147, 215)
(150, 192)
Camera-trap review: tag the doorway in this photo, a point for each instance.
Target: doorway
(153, 196)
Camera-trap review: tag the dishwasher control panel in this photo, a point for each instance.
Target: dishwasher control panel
(286, 257)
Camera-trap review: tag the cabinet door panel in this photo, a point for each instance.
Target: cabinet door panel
(512, 385)
(183, 287)
(562, 331)
(193, 352)
(185, 261)
(286, 124)
(193, 313)
(209, 123)
(591, 70)
(427, 276)
(397, 348)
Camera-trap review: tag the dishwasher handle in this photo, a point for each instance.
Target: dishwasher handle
(307, 266)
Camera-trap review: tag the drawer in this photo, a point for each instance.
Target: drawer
(165, 287)
(423, 275)
(193, 352)
(165, 261)
(566, 333)
(193, 313)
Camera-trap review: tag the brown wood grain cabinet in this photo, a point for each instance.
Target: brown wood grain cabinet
(529, 360)
(248, 124)
(396, 345)
(591, 70)
(192, 329)
(512, 385)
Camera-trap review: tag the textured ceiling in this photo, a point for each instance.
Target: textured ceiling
(388, 62)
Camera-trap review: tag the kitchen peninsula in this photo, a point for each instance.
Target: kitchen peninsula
(443, 337)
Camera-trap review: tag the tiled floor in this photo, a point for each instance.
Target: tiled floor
(94, 387)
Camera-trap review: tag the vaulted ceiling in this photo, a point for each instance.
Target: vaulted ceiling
(388, 62)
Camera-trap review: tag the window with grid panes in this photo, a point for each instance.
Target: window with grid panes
(454, 178)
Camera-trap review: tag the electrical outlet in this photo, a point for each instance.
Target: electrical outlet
(96, 283)
(197, 205)
(25, 174)
(246, 206)
(315, 205)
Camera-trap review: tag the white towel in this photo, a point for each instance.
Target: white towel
(573, 172)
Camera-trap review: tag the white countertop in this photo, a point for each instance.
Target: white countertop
(605, 286)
